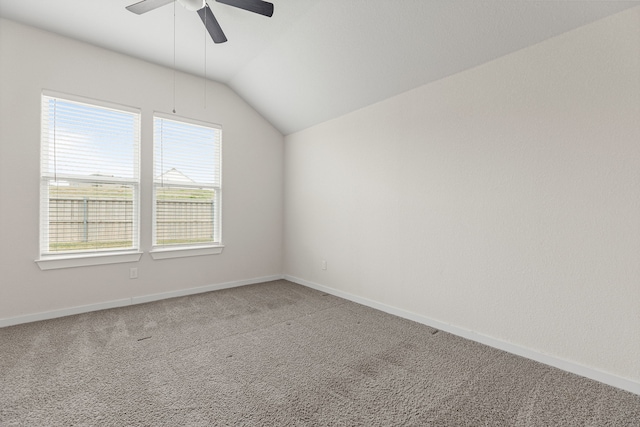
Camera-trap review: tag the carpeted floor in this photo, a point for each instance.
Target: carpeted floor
(279, 354)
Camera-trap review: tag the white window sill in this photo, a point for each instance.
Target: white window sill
(167, 253)
(52, 262)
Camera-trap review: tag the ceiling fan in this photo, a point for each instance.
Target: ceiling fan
(203, 9)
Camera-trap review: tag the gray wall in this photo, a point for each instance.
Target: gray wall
(33, 60)
(504, 200)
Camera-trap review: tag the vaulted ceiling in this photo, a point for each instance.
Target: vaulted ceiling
(318, 59)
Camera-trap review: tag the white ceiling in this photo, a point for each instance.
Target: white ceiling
(318, 59)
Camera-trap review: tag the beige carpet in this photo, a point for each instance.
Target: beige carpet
(279, 354)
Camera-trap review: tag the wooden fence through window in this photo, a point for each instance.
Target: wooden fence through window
(85, 221)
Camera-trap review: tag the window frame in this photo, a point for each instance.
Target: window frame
(214, 247)
(51, 260)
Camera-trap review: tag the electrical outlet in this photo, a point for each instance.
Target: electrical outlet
(324, 264)
(133, 273)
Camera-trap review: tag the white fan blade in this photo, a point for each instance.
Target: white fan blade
(147, 5)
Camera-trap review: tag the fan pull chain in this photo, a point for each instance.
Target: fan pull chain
(174, 57)
(55, 134)
(205, 61)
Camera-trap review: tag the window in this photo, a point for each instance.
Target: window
(89, 178)
(187, 192)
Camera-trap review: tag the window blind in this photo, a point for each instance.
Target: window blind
(187, 187)
(89, 177)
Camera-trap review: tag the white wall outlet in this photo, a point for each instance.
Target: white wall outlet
(133, 273)
(324, 264)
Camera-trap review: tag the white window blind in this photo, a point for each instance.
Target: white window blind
(89, 177)
(187, 188)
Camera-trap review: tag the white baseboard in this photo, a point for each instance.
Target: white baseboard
(201, 289)
(565, 365)
(10, 321)
(46, 315)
